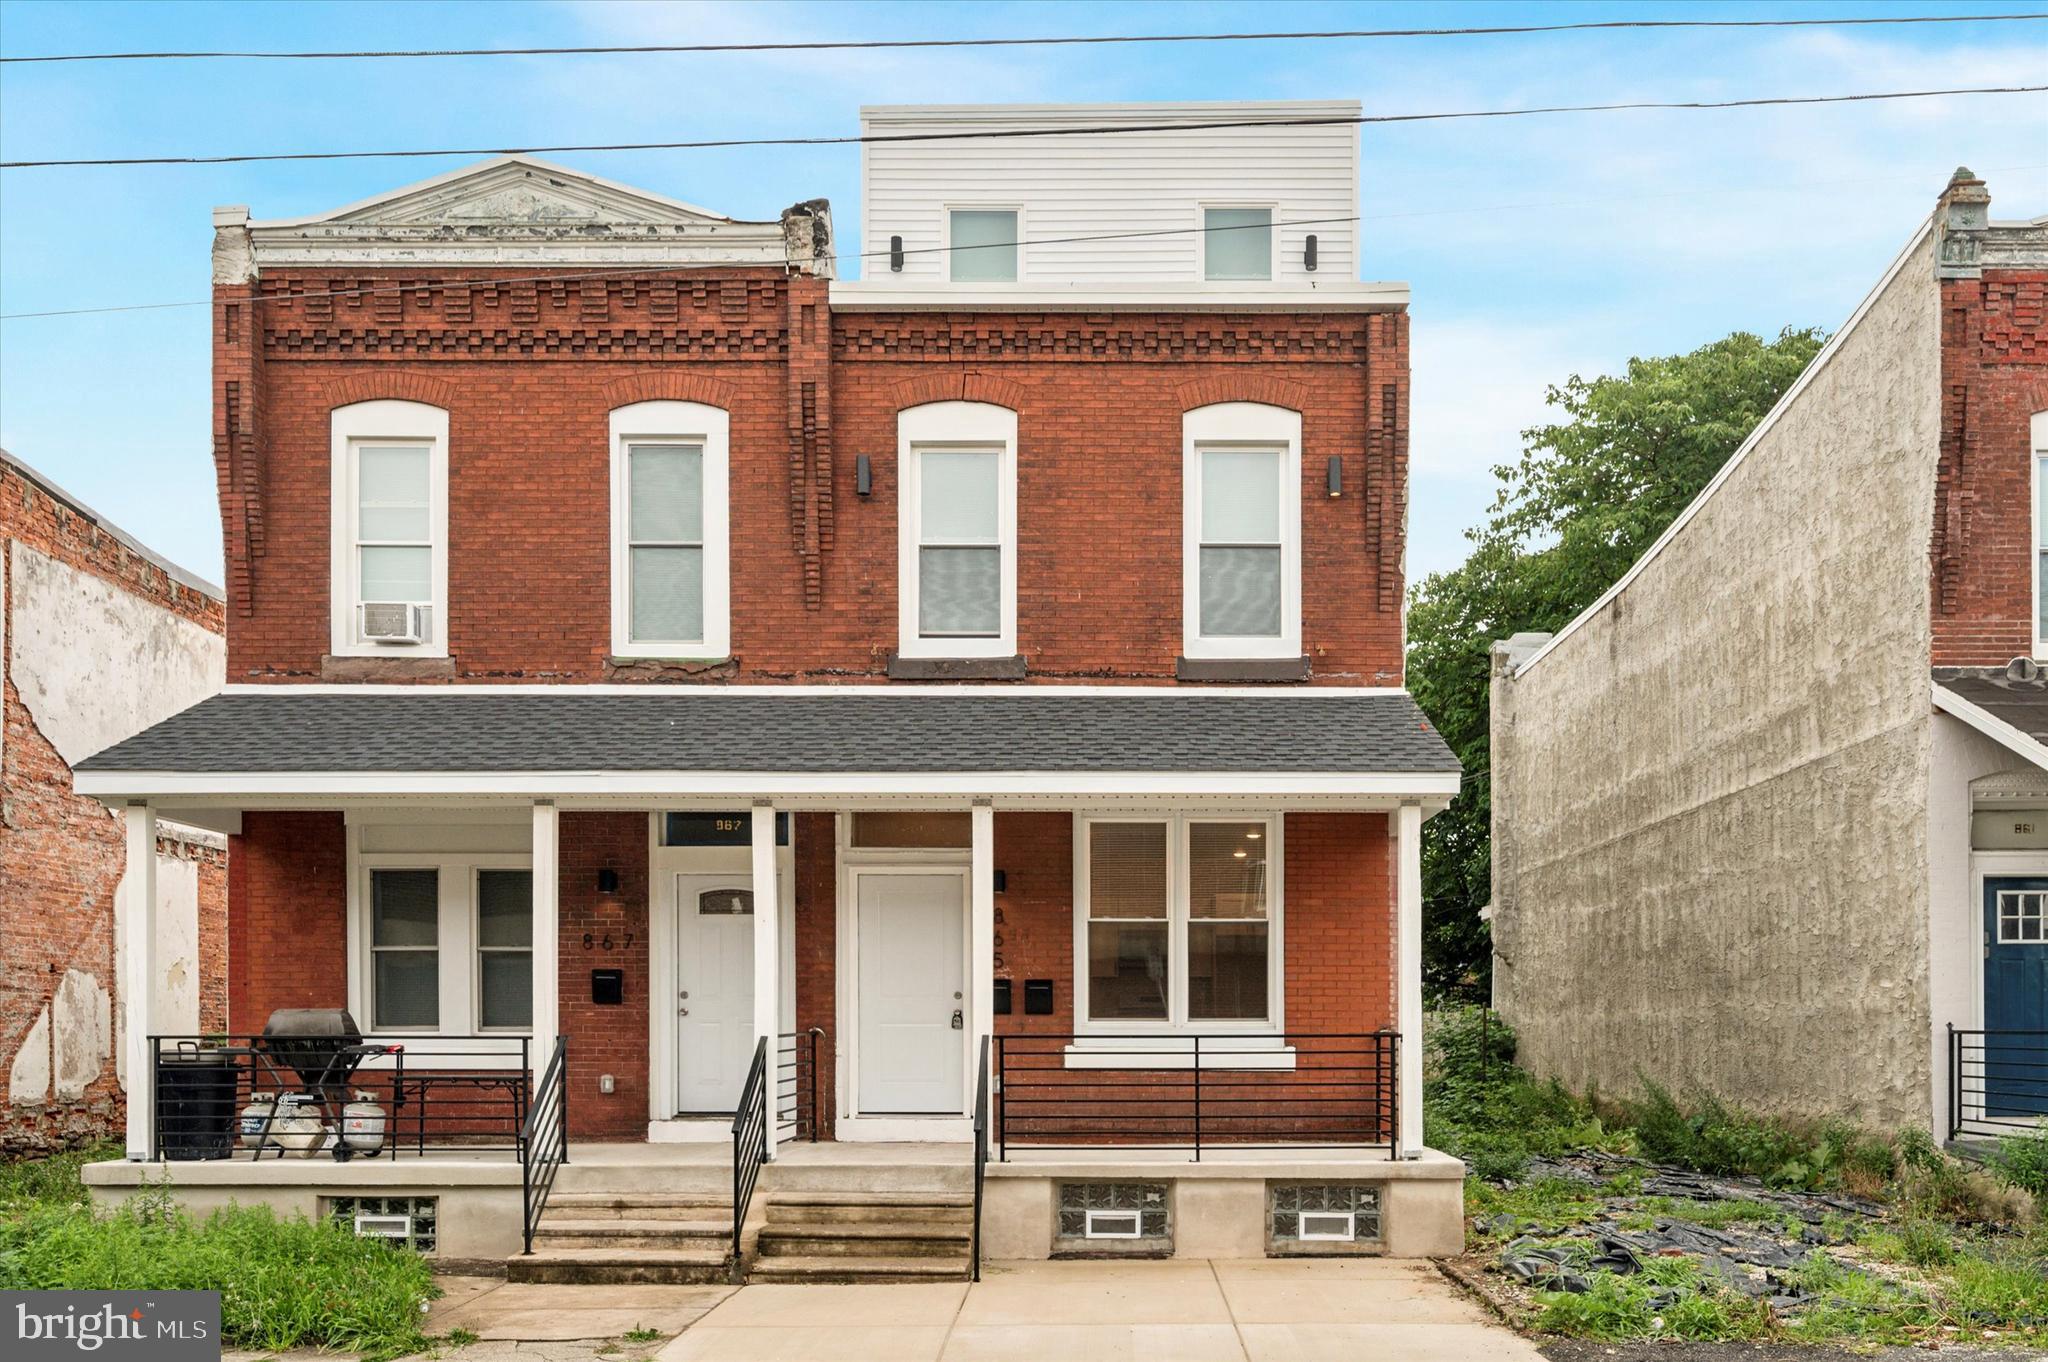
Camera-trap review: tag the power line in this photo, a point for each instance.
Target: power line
(1068, 41)
(643, 271)
(869, 139)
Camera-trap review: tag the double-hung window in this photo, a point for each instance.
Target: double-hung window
(1241, 519)
(957, 513)
(446, 944)
(670, 572)
(389, 529)
(1237, 243)
(982, 245)
(1176, 923)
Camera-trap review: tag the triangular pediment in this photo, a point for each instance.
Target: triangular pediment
(515, 191)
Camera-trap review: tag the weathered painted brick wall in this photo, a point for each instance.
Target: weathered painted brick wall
(529, 374)
(61, 856)
(1709, 801)
(1994, 377)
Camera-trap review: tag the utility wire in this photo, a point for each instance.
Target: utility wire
(1072, 41)
(643, 271)
(869, 139)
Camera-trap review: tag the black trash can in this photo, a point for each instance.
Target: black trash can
(195, 1104)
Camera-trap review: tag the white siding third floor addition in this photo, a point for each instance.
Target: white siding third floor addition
(1168, 208)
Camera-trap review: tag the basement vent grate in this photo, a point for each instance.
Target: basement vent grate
(1324, 1212)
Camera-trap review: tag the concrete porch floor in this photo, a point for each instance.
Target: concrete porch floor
(1188, 1310)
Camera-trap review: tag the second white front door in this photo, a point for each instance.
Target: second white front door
(912, 1003)
(715, 990)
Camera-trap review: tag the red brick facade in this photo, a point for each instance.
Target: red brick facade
(62, 856)
(530, 372)
(1994, 379)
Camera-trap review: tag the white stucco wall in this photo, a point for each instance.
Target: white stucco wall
(1710, 798)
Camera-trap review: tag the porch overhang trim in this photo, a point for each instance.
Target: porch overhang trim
(1992, 708)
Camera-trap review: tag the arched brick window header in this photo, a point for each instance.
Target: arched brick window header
(1271, 392)
(395, 387)
(669, 387)
(959, 387)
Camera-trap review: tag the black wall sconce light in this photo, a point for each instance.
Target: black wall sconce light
(1308, 254)
(607, 881)
(896, 254)
(863, 476)
(1002, 882)
(1336, 478)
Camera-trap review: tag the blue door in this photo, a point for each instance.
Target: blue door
(2016, 996)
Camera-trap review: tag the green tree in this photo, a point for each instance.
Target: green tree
(1587, 497)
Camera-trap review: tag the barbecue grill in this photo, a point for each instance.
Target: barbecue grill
(323, 1046)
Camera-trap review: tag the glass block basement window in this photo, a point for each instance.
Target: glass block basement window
(1113, 1211)
(406, 1221)
(1314, 1212)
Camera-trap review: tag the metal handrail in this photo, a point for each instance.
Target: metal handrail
(1997, 1080)
(544, 1140)
(1334, 1089)
(749, 1145)
(980, 1159)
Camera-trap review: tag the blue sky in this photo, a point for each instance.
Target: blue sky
(1535, 247)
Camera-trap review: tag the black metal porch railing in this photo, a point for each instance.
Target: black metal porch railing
(750, 1144)
(250, 1096)
(1198, 1092)
(544, 1140)
(1997, 1080)
(799, 1089)
(981, 1118)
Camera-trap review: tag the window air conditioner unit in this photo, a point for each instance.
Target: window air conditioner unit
(394, 622)
(397, 1227)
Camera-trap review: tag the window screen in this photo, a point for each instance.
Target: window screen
(984, 245)
(1240, 542)
(1237, 243)
(405, 929)
(959, 556)
(665, 542)
(394, 544)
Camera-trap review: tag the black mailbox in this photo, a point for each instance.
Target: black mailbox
(1037, 997)
(608, 986)
(1001, 997)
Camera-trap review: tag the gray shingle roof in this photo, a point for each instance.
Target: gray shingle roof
(1015, 731)
(2023, 704)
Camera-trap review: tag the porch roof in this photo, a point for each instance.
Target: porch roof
(2012, 713)
(1348, 739)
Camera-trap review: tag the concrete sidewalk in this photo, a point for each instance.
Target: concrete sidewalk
(1179, 1310)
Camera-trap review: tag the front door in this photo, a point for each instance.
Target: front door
(2015, 995)
(714, 990)
(912, 1005)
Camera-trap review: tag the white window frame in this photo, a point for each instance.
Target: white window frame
(2038, 428)
(384, 421)
(942, 427)
(461, 994)
(1245, 425)
(946, 212)
(1177, 1022)
(1202, 234)
(710, 428)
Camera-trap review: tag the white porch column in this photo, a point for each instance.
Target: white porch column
(1408, 971)
(767, 952)
(135, 946)
(547, 932)
(982, 928)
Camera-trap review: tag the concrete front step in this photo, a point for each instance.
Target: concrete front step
(638, 1206)
(870, 1239)
(829, 1208)
(619, 1266)
(621, 1233)
(846, 1268)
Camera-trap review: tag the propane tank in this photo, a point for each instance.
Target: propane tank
(362, 1124)
(255, 1120)
(298, 1126)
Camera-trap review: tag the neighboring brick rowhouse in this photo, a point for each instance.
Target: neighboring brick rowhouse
(530, 371)
(1994, 377)
(80, 603)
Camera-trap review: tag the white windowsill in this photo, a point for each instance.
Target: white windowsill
(1178, 1052)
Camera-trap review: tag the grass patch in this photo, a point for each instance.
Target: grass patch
(1670, 1298)
(1553, 1203)
(284, 1282)
(1712, 1214)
